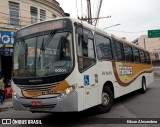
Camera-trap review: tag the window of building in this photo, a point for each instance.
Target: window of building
(14, 13)
(54, 16)
(128, 53)
(103, 45)
(117, 50)
(42, 15)
(34, 14)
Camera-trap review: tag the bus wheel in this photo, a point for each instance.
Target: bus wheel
(107, 100)
(144, 88)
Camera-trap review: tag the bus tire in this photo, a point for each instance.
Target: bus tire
(144, 87)
(107, 100)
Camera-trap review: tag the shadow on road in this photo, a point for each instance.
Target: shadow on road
(130, 96)
(69, 117)
(87, 116)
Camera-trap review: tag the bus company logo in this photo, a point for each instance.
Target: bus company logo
(107, 73)
(60, 70)
(125, 70)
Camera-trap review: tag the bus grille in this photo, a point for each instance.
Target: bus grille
(47, 107)
(41, 87)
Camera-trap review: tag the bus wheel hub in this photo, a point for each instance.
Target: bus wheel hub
(105, 99)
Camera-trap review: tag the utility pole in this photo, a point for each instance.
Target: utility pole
(89, 12)
(99, 8)
(89, 19)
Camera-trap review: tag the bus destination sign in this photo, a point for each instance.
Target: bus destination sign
(40, 27)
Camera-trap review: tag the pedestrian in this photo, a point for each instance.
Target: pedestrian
(2, 87)
(7, 83)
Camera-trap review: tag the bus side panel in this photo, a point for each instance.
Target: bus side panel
(76, 78)
(129, 75)
(90, 87)
(149, 78)
(105, 75)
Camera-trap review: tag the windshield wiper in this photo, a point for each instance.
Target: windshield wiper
(46, 43)
(41, 49)
(49, 38)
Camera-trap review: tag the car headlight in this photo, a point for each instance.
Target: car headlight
(67, 91)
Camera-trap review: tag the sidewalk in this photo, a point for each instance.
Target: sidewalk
(7, 104)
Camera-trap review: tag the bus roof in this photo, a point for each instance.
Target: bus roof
(108, 34)
(94, 28)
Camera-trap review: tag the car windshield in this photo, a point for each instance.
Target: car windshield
(43, 55)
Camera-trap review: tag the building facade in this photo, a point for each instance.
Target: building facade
(152, 45)
(19, 13)
(15, 14)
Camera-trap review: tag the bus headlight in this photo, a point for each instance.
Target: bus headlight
(16, 95)
(67, 91)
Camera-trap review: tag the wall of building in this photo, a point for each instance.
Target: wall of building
(152, 45)
(51, 7)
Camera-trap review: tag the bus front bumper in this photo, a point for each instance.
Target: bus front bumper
(67, 104)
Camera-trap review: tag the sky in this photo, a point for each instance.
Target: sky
(135, 17)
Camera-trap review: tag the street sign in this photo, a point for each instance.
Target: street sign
(153, 33)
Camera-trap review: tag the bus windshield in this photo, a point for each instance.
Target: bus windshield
(43, 55)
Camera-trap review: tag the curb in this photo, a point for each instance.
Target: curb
(7, 105)
(156, 78)
(5, 109)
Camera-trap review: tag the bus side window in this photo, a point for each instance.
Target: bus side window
(85, 52)
(103, 45)
(128, 53)
(136, 55)
(147, 56)
(142, 56)
(117, 50)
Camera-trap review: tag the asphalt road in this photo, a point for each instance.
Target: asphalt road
(134, 105)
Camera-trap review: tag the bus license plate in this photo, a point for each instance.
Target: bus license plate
(36, 103)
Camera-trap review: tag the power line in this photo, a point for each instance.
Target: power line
(18, 16)
(34, 4)
(93, 7)
(81, 9)
(128, 31)
(21, 19)
(99, 8)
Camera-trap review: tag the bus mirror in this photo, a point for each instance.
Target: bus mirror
(85, 39)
